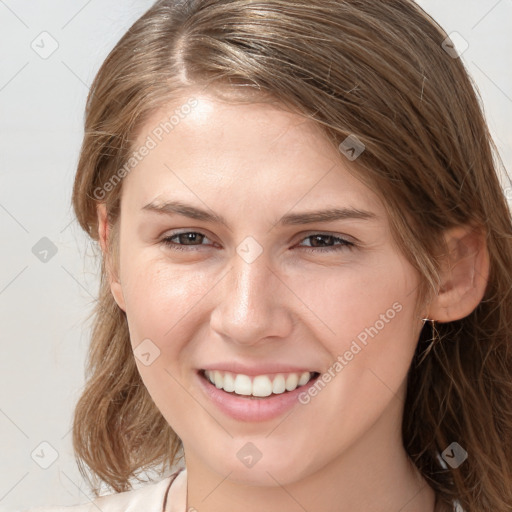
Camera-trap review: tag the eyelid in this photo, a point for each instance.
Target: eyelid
(198, 231)
(334, 234)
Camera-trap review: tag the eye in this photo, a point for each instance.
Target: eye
(323, 241)
(318, 242)
(183, 240)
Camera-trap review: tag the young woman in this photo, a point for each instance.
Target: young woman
(306, 282)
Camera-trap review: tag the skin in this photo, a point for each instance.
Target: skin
(252, 164)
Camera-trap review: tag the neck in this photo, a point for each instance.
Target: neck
(374, 474)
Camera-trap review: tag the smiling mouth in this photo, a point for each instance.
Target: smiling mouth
(259, 386)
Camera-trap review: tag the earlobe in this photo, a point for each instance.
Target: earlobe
(464, 274)
(103, 234)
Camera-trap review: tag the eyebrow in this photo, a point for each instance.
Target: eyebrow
(290, 219)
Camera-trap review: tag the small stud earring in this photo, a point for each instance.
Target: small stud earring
(432, 341)
(433, 322)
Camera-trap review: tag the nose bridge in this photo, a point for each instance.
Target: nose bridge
(249, 305)
(250, 281)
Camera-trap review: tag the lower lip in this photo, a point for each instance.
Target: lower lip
(252, 409)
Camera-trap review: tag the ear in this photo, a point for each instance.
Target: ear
(464, 274)
(103, 232)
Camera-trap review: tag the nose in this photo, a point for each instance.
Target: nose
(251, 303)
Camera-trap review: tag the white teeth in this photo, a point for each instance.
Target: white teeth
(229, 382)
(217, 379)
(261, 385)
(304, 378)
(243, 385)
(279, 384)
(292, 381)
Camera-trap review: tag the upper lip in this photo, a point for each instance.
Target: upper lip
(257, 369)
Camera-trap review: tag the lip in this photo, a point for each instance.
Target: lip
(251, 409)
(257, 369)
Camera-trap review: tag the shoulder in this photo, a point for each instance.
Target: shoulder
(149, 497)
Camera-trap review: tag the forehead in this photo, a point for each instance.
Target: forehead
(212, 120)
(247, 147)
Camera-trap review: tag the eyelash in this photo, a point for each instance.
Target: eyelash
(345, 244)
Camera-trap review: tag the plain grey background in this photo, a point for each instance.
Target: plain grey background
(43, 304)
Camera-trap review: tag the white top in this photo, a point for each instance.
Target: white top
(156, 497)
(168, 495)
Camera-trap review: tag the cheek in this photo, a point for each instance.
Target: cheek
(161, 298)
(372, 327)
(353, 303)
(162, 307)
(373, 338)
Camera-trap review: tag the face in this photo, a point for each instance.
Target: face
(237, 276)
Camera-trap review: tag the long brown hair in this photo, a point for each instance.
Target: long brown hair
(374, 70)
